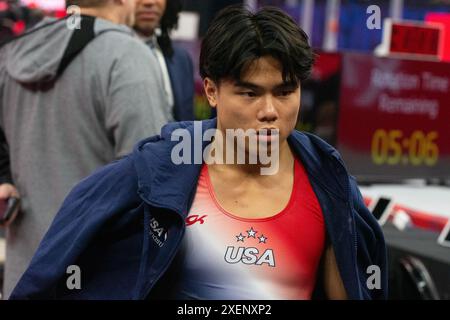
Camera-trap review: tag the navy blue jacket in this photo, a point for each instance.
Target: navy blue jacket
(104, 224)
(181, 72)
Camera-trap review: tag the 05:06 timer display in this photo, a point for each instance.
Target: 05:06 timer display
(393, 147)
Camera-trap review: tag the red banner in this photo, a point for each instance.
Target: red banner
(394, 119)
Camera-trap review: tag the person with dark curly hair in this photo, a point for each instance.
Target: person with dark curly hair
(154, 21)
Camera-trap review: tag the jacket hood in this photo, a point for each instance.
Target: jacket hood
(159, 177)
(36, 56)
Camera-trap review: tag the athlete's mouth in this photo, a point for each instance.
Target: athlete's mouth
(268, 134)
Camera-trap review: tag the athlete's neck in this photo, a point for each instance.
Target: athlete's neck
(281, 164)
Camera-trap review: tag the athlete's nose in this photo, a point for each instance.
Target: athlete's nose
(268, 112)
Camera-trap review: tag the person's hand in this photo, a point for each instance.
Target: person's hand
(8, 191)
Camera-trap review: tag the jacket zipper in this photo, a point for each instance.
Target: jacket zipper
(355, 240)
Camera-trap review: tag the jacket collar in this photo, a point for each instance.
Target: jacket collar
(164, 184)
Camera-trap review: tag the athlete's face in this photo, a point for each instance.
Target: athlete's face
(260, 100)
(148, 15)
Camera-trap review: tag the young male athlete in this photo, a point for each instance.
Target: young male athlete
(152, 226)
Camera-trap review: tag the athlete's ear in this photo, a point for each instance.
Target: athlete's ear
(211, 91)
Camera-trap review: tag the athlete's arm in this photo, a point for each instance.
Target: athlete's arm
(333, 285)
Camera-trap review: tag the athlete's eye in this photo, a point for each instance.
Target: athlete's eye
(249, 94)
(285, 93)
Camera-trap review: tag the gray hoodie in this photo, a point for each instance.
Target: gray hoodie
(108, 98)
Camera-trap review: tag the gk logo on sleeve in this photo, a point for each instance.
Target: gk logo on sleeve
(194, 219)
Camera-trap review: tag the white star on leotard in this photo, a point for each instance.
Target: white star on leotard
(251, 233)
(262, 239)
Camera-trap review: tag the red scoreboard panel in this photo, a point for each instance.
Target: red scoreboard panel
(443, 19)
(394, 118)
(412, 40)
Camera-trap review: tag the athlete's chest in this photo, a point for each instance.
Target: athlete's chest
(229, 257)
(251, 199)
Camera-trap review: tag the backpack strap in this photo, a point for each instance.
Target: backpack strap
(79, 40)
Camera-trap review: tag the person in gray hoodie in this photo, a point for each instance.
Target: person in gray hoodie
(71, 101)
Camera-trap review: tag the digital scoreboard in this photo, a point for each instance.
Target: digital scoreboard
(411, 39)
(394, 117)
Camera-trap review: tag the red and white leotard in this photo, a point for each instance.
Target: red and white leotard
(228, 257)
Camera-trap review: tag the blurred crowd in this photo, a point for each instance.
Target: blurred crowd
(16, 18)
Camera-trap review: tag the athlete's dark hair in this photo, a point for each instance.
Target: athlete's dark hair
(237, 37)
(169, 21)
